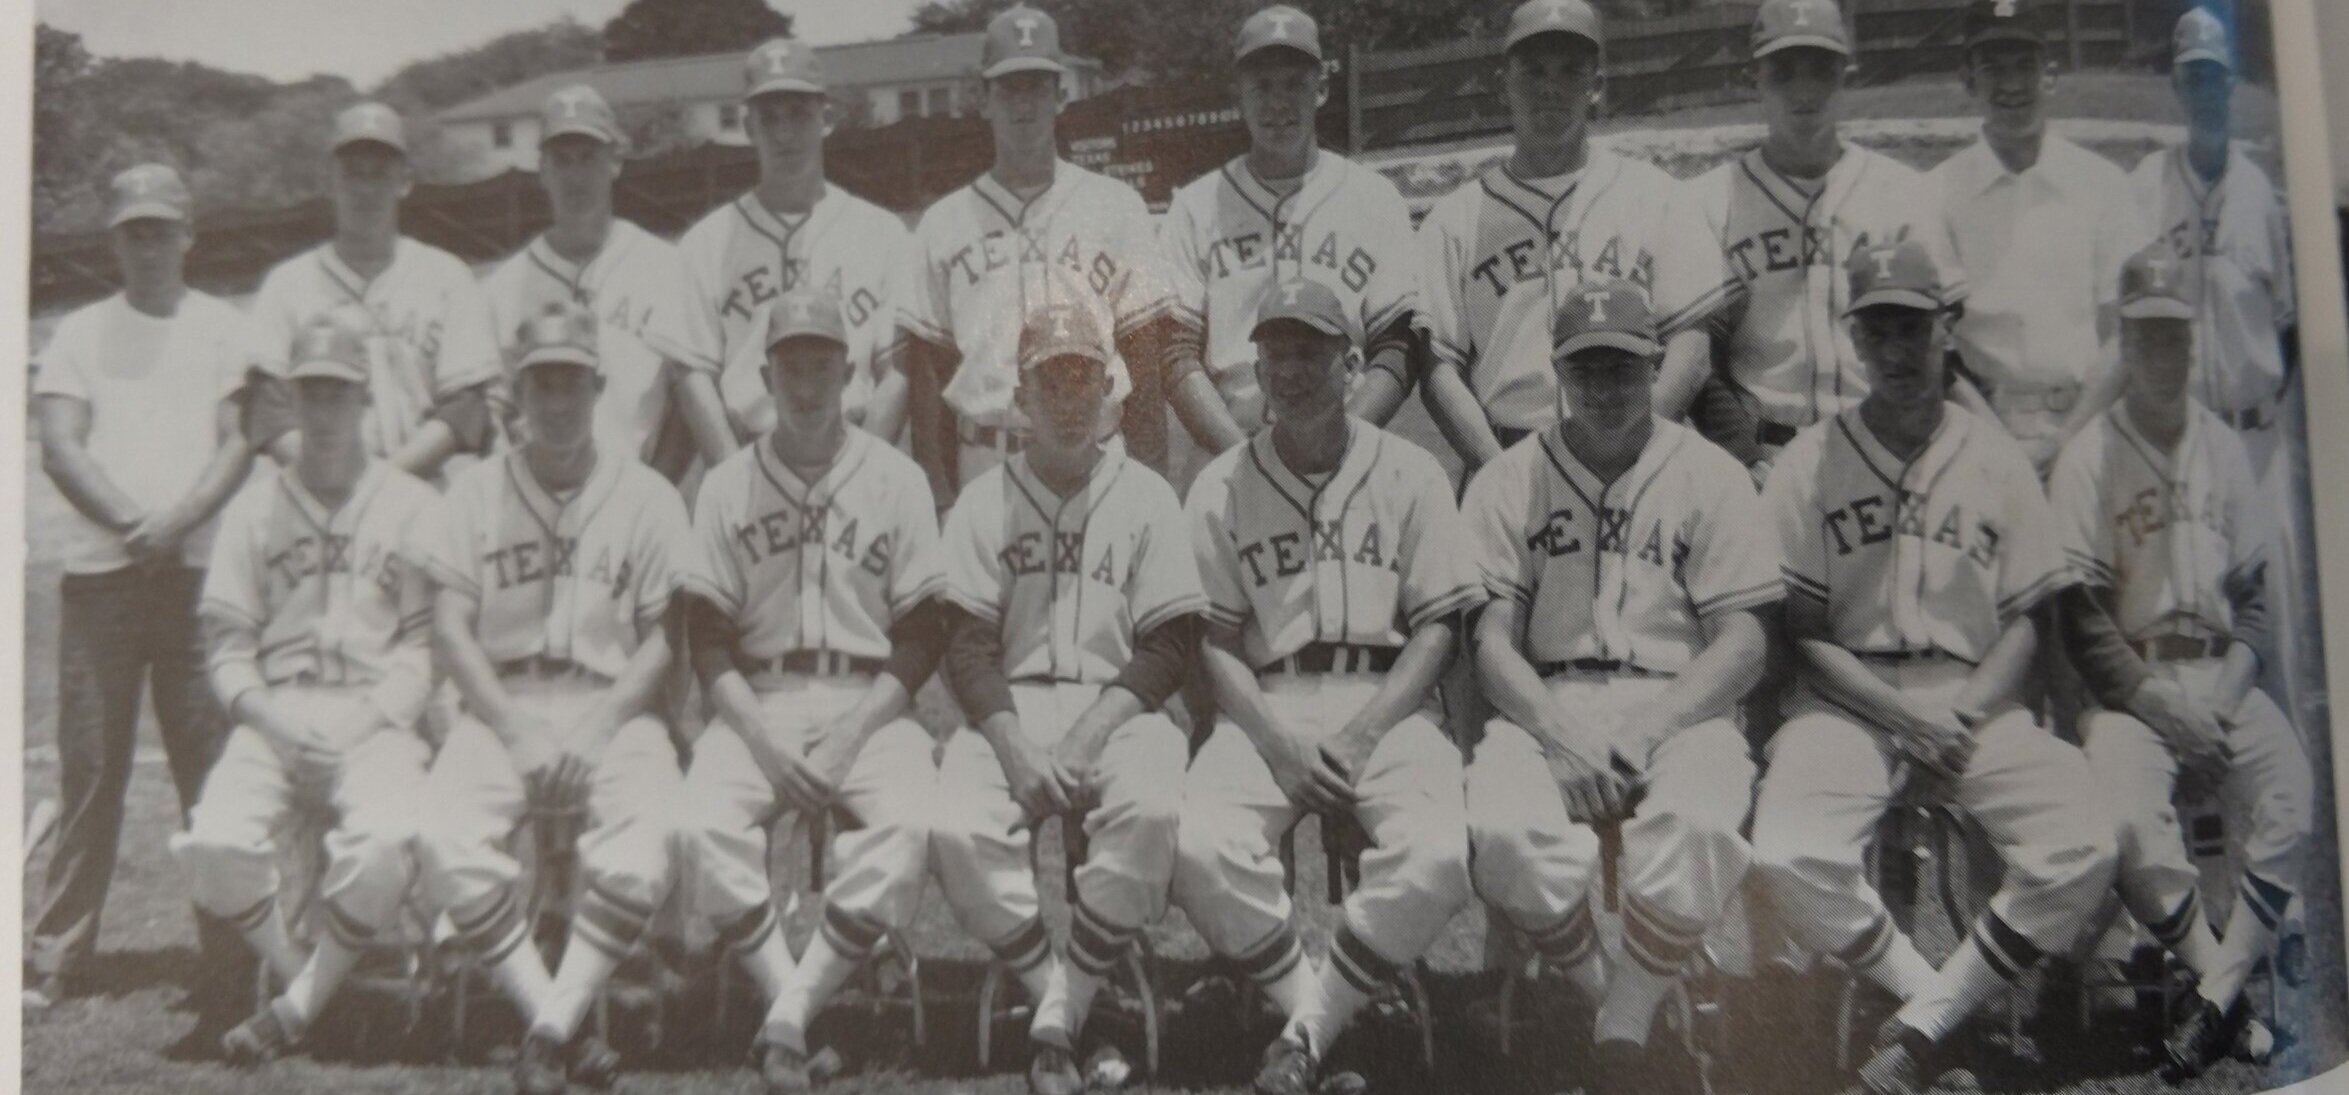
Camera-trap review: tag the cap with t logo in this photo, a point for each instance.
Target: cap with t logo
(2202, 36)
(1279, 27)
(1792, 24)
(2154, 285)
(370, 123)
(333, 344)
(563, 334)
(782, 65)
(148, 191)
(805, 313)
(1306, 301)
(578, 111)
(2003, 21)
(1058, 331)
(1573, 18)
(1611, 315)
(1021, 39)
(1900, 274)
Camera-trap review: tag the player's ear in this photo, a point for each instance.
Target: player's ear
(1598, 89)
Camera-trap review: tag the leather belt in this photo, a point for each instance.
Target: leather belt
(1615, 666)
(2180, 648)
(2257, 417)
(1335, 658)
(539, 667)
(1002, 439)
(814, 663)
(1904, 657)
(1774, 433)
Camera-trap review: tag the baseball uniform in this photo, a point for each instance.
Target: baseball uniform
(1920, 566)
(1496, 256)
(985, 262)
(1619, 582)
(635, 277)
(1326, 582)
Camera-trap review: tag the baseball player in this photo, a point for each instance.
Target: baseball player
(2159, 513)
(1497, 256)
(809, 612)
(432, 351)
(317, 610)
(619, 272)
(138, 431)
(1917, 548)
(1335, 572)
(555, 569)
(1034, 232)
(1625, 626)
(2042, 227)
(1788, 215)
(1284, 209)
(792, 229)
(1077, 606)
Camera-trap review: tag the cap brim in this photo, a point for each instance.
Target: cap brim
(1245, 52)
(1524, 36)
(1897, 298)
(1063, 353)
(1318, 323)
(2206, 55)
(332, 370)
(790, 85)
(1021, 64)
(346, 142)
(1625, 341)
(2157, 308)
(1803, 41)
(580, 129)
(146, 211)
(787, 334)
(557, 355)
(2023, 35)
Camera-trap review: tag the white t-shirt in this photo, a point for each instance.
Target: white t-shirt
(154, 388)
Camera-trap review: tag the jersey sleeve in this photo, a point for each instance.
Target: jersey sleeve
(421, 540)
(2082, 532)
(2279, 260)
(926, 309)
(1691, 280)
(58, 368)
(916, 571)
(2250, 520)
(448, 550)
(968, 554)
(712, 571)
(1442, 303)
(1729, 568)
(1392, 290)
(271, 323)
(1178, 245)
(664, 548)
(2031, 566)
(1139, 292)
(2122, 229)
(1791, 499)
(683, 323)
(893, 265)
(1440, 575)
(1495, 510)
(232, 578)
(1212, 546)
(470, 351)
(1166, 574)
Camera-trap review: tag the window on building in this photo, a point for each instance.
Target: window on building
(730, 116)
(909, 104)
(501, 135)
(941, 102)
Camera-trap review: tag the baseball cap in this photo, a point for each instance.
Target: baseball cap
(148, 190)
(1279, 27)
(562, 334)
(1900, 273)
(1788, 24)
(1570, 17)
(808, 313)
(578, 110)
(2202, 36)
(1306, 301)
(2004, 21)
(370, 122)
(2154, 285)
(1061, 330)
(782, 64)
(1021, 39)
(332, 344)
(1613, 314)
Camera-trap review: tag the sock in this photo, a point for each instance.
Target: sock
(1901, 970)
(1292, 988)
(1589, 977)
(1051, 997)
(820, 973)
(275, 945)
(584, 970)
(1340, 988)
(522, 974)
(769, 963)
(1970, 977)
(2186, 933)
(306, 996)
(1629, 1005)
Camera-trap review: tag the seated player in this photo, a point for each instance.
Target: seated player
(2161, 515)
(555, 568)
(1336, 572)
(807, 609)
(1917, 549)
(1078, 611)
(317, 611)
(1625, 626)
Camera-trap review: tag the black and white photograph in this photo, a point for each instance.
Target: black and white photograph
(1339, 547)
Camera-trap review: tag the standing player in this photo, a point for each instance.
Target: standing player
(2159, 512)
(1788, 215)
(1077, 615)
(1625, 626)
(1034, 232)
(1917, 549)
(431, 346)
(555, 571)
(1336, 573)
(139, 434)
(2042, 227)
(317, 609)
(619, 272)
(791, 230)
(808, 611)
(1497, 256)
(1284, 209)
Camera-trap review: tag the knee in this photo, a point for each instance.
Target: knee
(1785, 864)
(1207, 847)
(2086, 864)
(1434, 859)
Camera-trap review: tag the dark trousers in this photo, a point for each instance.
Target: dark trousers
(114, 629)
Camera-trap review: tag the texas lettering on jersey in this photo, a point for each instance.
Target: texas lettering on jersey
(534, 562)
(1286, 554)
(1876, 518)
(760, 285)
(789, 527)
(1262, 248)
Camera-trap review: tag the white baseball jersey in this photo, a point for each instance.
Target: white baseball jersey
(1365, 557)
(1626, 570)
(2169, 533)
(1941, 552)
(827, 565)
(433, 336)
(153, 387)
(1616, 219)
(741, 256)
(1229, 238)
(1071, 582)
(633, 277)
(580, 579)
(2234, 235)
(2042, 250)
(1785, 242)
(328, 598)
(985, 260)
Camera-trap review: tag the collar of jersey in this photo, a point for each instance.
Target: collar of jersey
(1982, 169)
(1050, 505)
(1597, 164)
(1253, 190)
(1664, 441)
(769, 223)
(358, 287)
(575, 274)
(553, 514)
(1362, 446)
(1010, 205)
(844, 463)
(315, 511)
(2163, 465)
(1947, 439)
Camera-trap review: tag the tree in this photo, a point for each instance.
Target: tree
(684, 28)
(61, 151)
(452, 78)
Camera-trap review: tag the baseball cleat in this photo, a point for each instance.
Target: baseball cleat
(1107, 1070)
(2201, 1038)
(257, 1040)
(1900, 1064)
(1053, 1071)
(593, 1062)
(539, 1068)
(1288, 1069)
(783, 1070)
